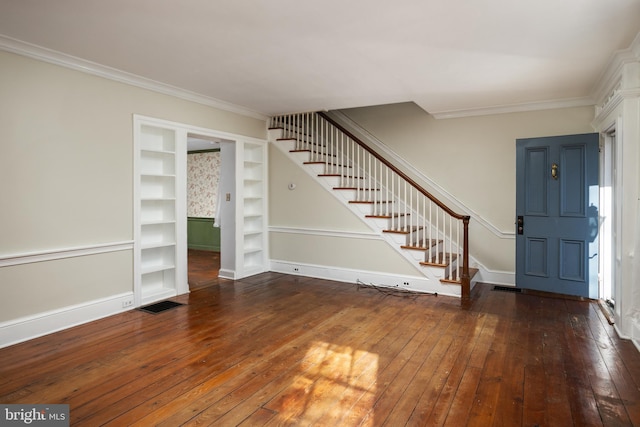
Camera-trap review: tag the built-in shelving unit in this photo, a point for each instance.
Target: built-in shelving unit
(160, 207)
(156, 213)
(254, 239)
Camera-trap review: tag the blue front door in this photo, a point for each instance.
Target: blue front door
(557, 214)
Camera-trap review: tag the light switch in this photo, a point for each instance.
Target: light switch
(228, 197)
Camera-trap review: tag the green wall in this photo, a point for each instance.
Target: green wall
(202, 235)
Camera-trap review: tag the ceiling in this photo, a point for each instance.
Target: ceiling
(281, 56)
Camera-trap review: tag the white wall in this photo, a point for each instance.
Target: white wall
(310, 227)
(66, 181)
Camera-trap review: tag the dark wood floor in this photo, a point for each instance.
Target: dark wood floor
(282, 350)
(203, 268)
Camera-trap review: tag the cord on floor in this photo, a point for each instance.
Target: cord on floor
(394, 292)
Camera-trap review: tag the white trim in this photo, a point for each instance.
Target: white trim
(61, 253)
(610, 76)
(227, 274)
(513, 108)
(340, 274)
(29, 327)
(621, 335)
(196, 130)
(611, 104)
(495, 277)
(328, 233)
(379, 145)
(68, 61)
(507, 278)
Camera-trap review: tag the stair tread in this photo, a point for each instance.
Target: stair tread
(370, 202)
(421, 246)
(306, 150)
(395, 215)
(302, 141)
(404, 230)
(455, 280)
(320, 162)
(356, 188)
(440, 260)
(337, 175)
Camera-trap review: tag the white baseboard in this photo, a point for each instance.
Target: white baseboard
(227, 274)
(504, 278)
(339, 274)
(26, 328)
(636, 334)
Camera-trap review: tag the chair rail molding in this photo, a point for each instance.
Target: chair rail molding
(62, 253)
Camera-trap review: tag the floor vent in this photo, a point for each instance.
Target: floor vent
(160, 307)
(507, 289)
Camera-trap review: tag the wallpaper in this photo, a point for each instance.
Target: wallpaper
(203, 175)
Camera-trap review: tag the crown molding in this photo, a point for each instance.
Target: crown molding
(605, 85)
(611, 75)
(68, 61)
(512, 108)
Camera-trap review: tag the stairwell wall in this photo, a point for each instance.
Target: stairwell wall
(473, 160)
(311, 230)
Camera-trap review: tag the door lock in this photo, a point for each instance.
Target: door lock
(520, 224)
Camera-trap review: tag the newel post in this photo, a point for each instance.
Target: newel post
(464, 278)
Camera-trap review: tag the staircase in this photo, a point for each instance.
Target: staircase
(419, 226)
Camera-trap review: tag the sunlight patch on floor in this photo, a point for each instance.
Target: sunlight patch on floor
(336, 385)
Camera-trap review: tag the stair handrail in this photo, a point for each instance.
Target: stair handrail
(464, 276)
(393, 167)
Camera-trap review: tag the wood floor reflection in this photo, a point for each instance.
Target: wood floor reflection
(203, 267)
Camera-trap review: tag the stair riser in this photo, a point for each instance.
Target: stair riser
(301, 157)
(389, 224)
(355, 195)
(372, 209)
(275, 134)
(397, 239)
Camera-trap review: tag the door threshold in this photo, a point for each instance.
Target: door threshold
(606, 311)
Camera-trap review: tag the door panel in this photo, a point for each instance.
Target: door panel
(556, 205)
(572, 256)
(572, 185)
(536, 180)
(536, 263)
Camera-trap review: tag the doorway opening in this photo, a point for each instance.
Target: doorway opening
(608, 219)
(204, 158)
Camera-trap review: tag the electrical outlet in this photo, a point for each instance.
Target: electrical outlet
(127, 303)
